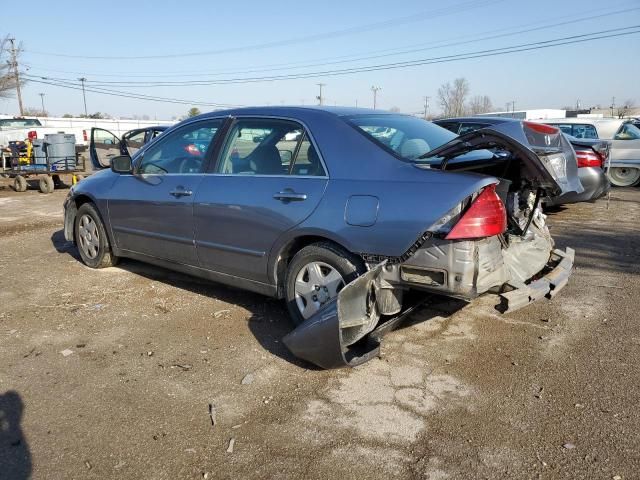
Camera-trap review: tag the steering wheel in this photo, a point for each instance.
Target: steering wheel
(190, 165)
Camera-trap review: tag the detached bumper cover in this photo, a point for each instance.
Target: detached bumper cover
(348, 331)
(547, 286)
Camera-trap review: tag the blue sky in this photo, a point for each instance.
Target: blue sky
(300, 33)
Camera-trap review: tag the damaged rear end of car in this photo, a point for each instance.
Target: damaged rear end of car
(494, 240)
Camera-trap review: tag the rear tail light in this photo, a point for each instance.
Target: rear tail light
(32, 135)
(84, 135)
(588, 158)
(541, 128)
(485, 217)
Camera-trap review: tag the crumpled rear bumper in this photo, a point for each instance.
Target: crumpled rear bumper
(547, 286)
(348, 331)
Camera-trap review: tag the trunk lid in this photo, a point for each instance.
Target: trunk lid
(547, 158)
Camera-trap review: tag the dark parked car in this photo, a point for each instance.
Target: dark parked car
(592, 156)
(335, 210)
(104, 145)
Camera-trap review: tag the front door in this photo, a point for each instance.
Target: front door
(103, 146)
(268, 179)
(151, 210)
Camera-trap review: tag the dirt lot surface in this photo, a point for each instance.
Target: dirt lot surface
(110, 374)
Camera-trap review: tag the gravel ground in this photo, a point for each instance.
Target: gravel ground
(111, 373)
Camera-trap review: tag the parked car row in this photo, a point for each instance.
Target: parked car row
(340, 212)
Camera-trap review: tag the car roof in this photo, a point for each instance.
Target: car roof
(486, 119)
(295, 110)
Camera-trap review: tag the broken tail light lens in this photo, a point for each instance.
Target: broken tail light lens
(588, 158)
(84, 135)
(485, 217)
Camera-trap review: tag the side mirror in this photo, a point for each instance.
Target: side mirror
(121, 164)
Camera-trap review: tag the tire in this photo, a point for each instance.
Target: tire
(624, 177)
(46, 184)
(327, 257)
(91, 238)
(20, 184)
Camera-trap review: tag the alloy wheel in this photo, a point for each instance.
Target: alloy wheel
(88, 236)
(316, 284)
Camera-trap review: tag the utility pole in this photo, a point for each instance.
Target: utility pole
(426, 107)
(14, 64)
(613, 105)
(513, 107)
(375, 89)
(319, 97)
(42, 101)
(84, 96)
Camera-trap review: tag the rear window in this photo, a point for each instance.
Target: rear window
(408, 137)
(7, 123)
(577, 130)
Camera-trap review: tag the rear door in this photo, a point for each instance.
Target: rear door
(268, 178)
(151, 210)
(103, 146)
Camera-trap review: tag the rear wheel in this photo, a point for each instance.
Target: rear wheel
(91, 238)
(46, 184)
(624, 176)
(316, 275)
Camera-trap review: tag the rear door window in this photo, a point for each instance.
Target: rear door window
(269, 147)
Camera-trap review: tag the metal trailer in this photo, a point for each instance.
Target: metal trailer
(26, 164)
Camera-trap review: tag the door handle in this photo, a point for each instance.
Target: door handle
(290, 196)
(181, 192)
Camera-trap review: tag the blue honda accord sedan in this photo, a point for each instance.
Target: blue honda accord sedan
(338, 211)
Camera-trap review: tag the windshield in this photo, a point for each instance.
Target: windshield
(408, 137)
(7, 123)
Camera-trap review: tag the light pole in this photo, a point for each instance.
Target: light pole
(42, 101)
(84, 96)
(426, 107)
(375, 89)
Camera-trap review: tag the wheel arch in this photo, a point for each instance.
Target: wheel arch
(283, 254)
(72, 210)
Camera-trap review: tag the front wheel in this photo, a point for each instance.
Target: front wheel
(91, 238)
(624, 176)
(316, 275)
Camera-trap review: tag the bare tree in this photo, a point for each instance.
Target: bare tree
(452, 98)
(480, 104)
(395, 109)
(625, 109)
(35, 112)
(7, 75)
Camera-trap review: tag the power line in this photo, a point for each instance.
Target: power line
(573, 39)
(117, 93)
(429, 14)
(619, 32)
(344, 59)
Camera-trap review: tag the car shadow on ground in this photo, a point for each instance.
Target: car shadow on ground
(268, 321)
(15, 456)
